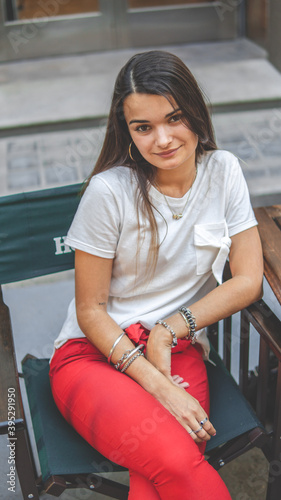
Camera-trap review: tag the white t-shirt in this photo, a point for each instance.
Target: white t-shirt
(192, 252)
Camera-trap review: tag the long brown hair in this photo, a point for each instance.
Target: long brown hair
(159, 73)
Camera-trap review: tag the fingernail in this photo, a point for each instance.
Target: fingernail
(215, 434)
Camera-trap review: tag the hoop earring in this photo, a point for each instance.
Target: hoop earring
(130, 151)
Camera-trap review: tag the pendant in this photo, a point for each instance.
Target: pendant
(177, 216)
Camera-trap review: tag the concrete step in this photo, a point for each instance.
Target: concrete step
(44, 160)
(65, 92)
(255, 137)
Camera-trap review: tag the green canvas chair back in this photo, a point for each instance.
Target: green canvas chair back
(32, 230)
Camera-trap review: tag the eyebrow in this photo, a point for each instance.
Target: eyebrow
(147, 121)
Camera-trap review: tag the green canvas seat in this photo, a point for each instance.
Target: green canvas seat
(61, 449)
(230, 412)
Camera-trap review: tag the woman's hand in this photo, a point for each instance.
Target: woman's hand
(158, 353)
(184, 407)
(189, 413)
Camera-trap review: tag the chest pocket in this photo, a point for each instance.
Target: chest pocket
(212, 245)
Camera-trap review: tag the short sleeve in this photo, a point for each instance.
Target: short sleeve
(239, 213)
(96, 225)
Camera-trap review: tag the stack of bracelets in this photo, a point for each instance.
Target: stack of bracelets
(128, 357)
(189, 320)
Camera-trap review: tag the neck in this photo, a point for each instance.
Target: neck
(175, 183)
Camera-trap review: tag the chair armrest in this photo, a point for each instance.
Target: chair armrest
(267, 324)
(10, 397)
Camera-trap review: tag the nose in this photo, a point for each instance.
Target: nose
(162, 137)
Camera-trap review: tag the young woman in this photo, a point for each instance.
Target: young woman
(162, 211)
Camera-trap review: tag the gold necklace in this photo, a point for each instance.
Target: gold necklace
(180, 215)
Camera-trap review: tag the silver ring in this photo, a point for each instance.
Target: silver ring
(198, 430)
(204, 421)
(190, 432)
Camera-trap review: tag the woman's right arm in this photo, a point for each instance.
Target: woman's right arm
(92, 283)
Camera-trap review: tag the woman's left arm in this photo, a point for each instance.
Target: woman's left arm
(244, 288)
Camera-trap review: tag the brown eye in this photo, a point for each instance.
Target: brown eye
(142, 128)
(176, 118)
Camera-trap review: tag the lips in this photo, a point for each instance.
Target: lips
(168, 153)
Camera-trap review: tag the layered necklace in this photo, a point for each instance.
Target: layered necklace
(180, 215)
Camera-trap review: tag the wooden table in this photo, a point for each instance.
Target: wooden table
(269, 219)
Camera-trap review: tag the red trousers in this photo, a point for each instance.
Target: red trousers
(130, 427)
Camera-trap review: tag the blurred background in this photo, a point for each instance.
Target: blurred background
(59, 60)
(58, 63)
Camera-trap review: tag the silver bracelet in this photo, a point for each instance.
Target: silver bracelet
(128, 357)
(114, 345)
(139, 353)
(192, 323)
(186, 323)
(124, 357)
(169, 328)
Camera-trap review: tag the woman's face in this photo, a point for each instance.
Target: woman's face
(157, 129)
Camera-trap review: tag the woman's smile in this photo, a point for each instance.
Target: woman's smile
(169, 153)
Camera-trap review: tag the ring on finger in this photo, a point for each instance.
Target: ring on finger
(190, 432)
(204, 421)
(198, 430)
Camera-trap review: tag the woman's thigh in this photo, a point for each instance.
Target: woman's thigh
(109, 409)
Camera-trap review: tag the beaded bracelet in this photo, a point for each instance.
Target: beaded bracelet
(169, 328)
(191, 320)
(114, 345)
(139, 353)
